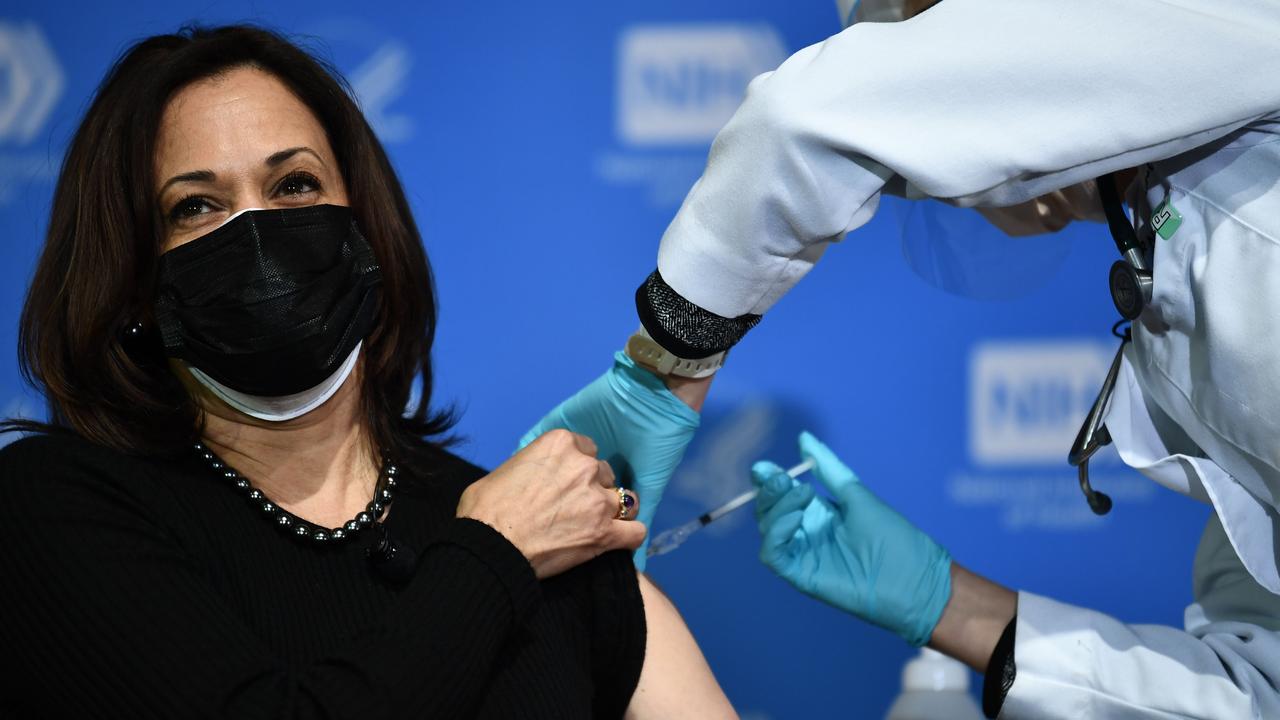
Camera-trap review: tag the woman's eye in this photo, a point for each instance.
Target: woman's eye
(298, 184)
(189, 207)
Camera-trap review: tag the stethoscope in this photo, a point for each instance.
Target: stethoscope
(1130, 281)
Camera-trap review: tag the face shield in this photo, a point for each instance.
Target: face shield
(979, 253)
(960, 251)
(856, 11)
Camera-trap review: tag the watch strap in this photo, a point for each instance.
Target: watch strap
(647, 352)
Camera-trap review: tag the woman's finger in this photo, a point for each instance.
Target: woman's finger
(585, 444)
(604, 475)
(625, 535)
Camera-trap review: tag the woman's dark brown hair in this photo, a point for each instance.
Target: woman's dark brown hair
(95, 277)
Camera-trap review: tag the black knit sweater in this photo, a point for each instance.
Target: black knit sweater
(149, 588)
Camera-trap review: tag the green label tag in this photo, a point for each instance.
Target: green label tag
(1166, 219)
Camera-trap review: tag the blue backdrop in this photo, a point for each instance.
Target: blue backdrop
(545, 147)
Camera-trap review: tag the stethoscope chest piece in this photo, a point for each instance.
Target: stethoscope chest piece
(1130, 289)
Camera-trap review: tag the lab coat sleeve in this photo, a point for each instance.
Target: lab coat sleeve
(980, 102)
(1078, 663)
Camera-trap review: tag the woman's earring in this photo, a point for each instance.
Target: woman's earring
(133, 332)
(135, 339)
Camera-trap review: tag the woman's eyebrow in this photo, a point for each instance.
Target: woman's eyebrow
(193, 176)
(278, 157)
(272, 160)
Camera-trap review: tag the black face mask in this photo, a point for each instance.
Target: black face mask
(272, 302)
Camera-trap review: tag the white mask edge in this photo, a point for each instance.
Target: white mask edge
(285, 407)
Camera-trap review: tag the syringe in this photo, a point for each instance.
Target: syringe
(669, 540)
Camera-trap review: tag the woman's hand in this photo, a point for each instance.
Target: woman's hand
(555, 502)
(640, 426)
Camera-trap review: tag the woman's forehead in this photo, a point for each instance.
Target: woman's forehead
(231, 121)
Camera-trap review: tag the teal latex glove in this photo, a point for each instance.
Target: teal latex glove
(640, 428)
(855, 553)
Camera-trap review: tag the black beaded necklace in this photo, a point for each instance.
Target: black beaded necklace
(299, 528)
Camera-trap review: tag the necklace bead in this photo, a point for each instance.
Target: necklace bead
(303, 529)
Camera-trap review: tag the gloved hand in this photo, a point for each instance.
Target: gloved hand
(640, 428)
(855, 553)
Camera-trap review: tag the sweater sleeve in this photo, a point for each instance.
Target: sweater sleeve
(619, 633)
(119, 620)
(980, 102)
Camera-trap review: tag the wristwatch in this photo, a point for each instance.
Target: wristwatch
(647, 352)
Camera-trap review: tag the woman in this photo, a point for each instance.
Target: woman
(229, 314)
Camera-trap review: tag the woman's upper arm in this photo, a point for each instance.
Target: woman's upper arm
(675, 681)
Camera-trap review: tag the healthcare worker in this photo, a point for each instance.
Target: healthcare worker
(1017, 106)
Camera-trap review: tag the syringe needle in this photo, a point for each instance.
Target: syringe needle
(669, 540)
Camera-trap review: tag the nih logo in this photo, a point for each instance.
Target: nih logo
(30, 81)
(379, 81)
(1028, 399)
(681, 83)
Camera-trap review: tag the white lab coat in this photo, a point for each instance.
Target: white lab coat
(1077, 663)
(995, 102)
(979, 101)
